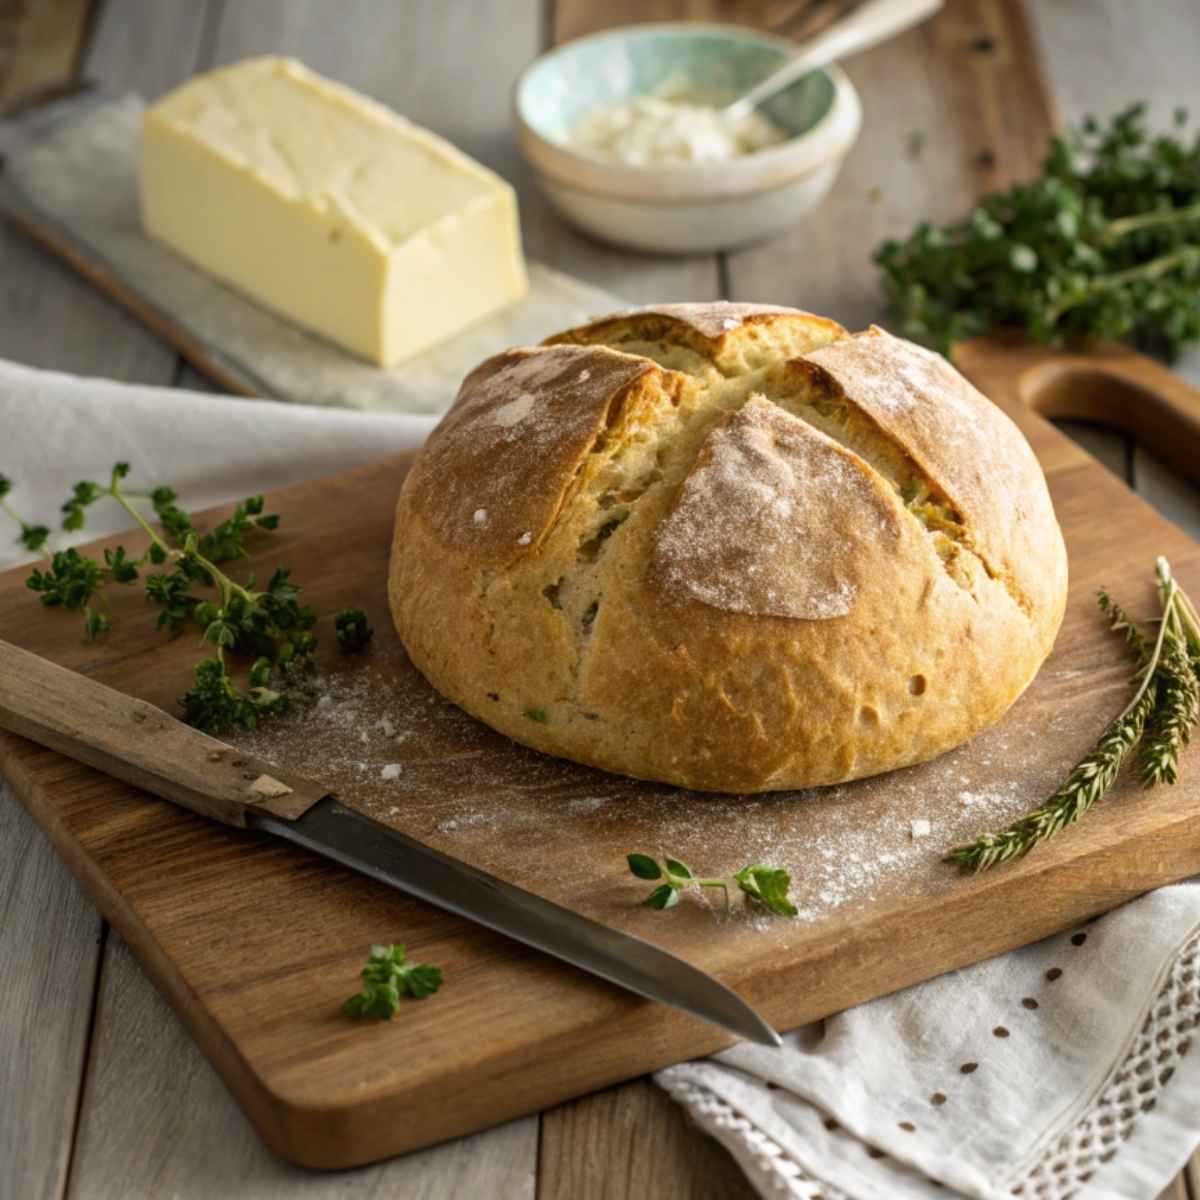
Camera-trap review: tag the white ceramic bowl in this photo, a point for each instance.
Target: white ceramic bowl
(689, 207)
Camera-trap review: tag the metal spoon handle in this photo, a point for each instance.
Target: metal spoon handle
(868, 25)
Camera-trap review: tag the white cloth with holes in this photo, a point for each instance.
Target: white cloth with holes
(1093, 1082)
(1058, 1070)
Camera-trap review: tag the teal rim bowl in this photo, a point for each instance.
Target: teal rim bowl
(820, 111)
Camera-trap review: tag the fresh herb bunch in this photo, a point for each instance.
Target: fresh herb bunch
(270, 627)
(387, 976)
(767, 886)
(1105, 244)
(1157, 721)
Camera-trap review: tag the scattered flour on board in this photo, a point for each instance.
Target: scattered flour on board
(524, 816)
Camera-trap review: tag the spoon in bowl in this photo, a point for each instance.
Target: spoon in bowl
(866, 26)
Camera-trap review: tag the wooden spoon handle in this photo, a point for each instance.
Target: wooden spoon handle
(1111, 385)
(141, 744)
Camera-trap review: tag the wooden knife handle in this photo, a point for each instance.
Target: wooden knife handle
(1109, 384)
(141, 744)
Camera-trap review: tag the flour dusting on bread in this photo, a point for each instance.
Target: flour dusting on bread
(750, 530)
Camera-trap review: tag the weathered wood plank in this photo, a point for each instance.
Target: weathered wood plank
(632, 1141)
(157, 1121)
(1102, 55)
(40, 45)
(574, 18)
(949, 109)
(49, 316)
(149, 46)
(49, 943)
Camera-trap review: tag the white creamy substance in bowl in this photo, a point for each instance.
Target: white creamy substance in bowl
(674, 125)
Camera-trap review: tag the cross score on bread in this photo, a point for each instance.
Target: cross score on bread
(730, 547)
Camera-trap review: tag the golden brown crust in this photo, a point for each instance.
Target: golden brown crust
(498, 467)
(753, 563)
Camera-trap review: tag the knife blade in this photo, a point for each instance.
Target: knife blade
(340, 833)
(143, 745)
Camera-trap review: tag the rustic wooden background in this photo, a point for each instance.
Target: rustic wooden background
(102, 1093)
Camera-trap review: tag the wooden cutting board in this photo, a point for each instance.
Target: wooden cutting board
(257, 944)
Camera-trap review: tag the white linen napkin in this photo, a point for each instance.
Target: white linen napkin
(1053, 1071)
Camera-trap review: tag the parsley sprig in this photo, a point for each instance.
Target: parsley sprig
(269, 627)
(762, 885)
(1104, 244)
(1157, 722)
(387, 976)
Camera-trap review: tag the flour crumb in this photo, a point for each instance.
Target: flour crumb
(920, 828)
(584, 376)
(391, 771)
(730, 323)
(480, 516)
(525, 538)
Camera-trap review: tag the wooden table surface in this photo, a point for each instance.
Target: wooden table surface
(102, 1093)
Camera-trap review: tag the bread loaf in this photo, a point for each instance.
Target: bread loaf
(730, 547)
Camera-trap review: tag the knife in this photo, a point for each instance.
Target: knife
(136, 742)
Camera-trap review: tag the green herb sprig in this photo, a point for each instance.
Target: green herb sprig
(762, 885)
(1105, 244)
(1157, 721)
(32, 537)
(267, 626)
(387, 976)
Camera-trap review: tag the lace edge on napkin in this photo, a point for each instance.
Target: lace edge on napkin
(1131, 1091)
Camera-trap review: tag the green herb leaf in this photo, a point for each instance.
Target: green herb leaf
(387, 976)
(1104, 244)
(768, 886)
(643, 866)
(352, 630)
(682, 870)
(95, 623)
(1164, 707)
(763, 885)
(664, 896)
(33, 537)
(269, 629)
(539, 715)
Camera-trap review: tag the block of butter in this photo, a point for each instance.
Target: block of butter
(329, 208)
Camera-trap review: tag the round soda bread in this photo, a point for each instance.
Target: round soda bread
(730, 547)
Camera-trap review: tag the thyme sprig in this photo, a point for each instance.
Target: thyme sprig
(268, 626)
(1105, 243)
(1157, 719)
